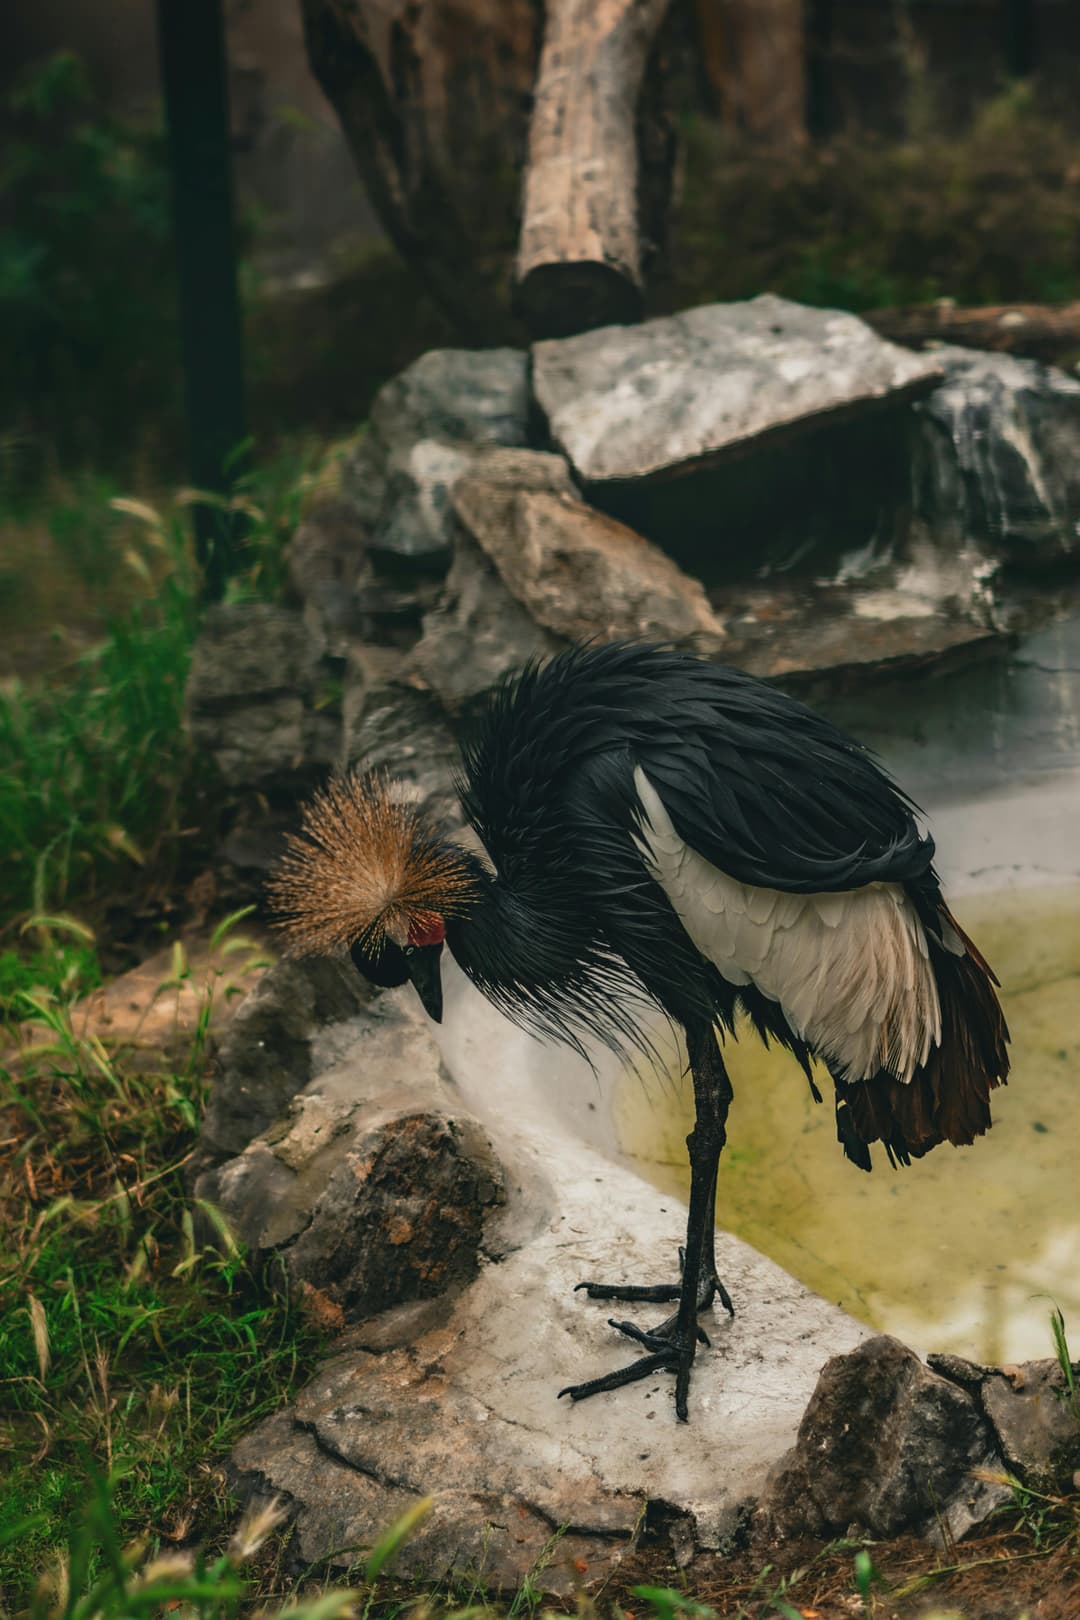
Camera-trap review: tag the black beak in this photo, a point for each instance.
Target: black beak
(426, 975)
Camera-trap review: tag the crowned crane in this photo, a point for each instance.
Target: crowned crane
(662, 830)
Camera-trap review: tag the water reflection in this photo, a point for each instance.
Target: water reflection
(964, 1251)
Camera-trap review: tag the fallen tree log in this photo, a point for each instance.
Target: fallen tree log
(1048, 332)
(579, 261)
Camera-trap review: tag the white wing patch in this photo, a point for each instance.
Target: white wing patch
(851, 971)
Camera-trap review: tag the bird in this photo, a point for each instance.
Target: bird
(658, 832)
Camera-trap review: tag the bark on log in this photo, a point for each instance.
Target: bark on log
(580, 255)
(1045, 332)
(433, 97)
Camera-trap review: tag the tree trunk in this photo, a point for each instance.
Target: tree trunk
(434, 96)
(579, 259)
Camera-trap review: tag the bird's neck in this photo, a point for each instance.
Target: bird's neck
(512, 935)
(535, 951)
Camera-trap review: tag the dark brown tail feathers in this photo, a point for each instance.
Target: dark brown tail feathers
(948, 1099)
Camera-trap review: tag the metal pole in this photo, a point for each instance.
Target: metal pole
(191, 40)
(1019, 38)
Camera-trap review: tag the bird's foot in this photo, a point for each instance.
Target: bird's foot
(671, 1349)
(674, 1355)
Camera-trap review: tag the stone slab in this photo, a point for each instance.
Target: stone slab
(693, 389)
(462, 1401)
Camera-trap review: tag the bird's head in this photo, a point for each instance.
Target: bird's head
(367, 874)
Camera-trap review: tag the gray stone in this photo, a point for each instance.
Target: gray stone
(265, 1054)
(689, 390)
(423, 424)
(249, 650)
(1037, 1423)
(579, 574)
(998, 454)
(326, 559)
(399, 727)
(472, 396)
(457, 1398)
(886, 1446)
(254, 696)
(477, 633)
(268, 741)
(375, 1188)
(387, 610)
(414, 524)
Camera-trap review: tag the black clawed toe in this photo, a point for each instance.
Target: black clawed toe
(662, 1294)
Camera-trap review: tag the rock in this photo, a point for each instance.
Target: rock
(266, 1054)
(579, 573)
(457, 1396)
(375, 1188)
(887, 1446)
(326, 558)
(388, 610)
(414, 525)
(734, 436)
(391, 724)
(825, 639)
(1036, 1422)
(477, 633)
(466, 396)
(253, 695)
(249, 650)
(998, 455)
(423, 425)
(347, 1498)
(690, 390)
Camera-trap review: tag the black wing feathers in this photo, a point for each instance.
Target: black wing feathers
(762, 787)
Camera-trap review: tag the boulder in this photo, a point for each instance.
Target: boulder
(1035, 1418)
(326, 558)
(732, 434)
(709, 384)
(477, 632)
(414, 526)
(1037, 1423)
(423, 425)
(391, 724)
(456, 1395)
(267, 1052)
(465, 396)
(375, 1187)
(998, 455)
(254, 696)
(885, 1446)
(579, 574)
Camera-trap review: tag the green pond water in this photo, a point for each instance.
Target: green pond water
(969, 1249)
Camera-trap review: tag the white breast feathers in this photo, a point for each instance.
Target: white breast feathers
(851, 970)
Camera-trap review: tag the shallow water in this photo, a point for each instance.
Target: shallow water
(966, 1250)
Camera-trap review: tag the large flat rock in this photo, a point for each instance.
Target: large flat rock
(694, 389)
(457, 1397)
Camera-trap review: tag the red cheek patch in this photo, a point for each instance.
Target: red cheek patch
(431, 931)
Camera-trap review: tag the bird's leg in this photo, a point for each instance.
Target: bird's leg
(673, 1342)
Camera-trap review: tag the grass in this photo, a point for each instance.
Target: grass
(129, 1350)
(92, 761)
